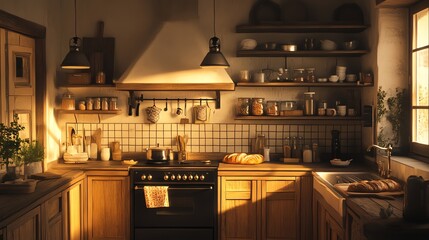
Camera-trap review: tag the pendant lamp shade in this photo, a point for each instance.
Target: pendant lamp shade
(214, 58)
(75, 59)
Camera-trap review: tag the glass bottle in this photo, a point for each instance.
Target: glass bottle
(258, 106)
(336, 144)
(309, 103)
(307, 154)
(243, 107)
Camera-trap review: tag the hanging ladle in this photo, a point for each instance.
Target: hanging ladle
(179, 110)
(166, 105)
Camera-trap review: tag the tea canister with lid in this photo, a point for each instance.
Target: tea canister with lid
(82, 105)
(258, 106)
(68, 101)
(89, 103)
(243, 107)
(105, 104)
(97, 103)
(113, 103)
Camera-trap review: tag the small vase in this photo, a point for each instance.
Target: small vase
(10, 174)
(32, 168)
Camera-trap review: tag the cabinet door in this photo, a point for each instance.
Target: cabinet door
(52, 218)
(239, 209)
(280, 215)
(354, 226)
(73, 216)
(333, 230)
(108, 207)
(27, 227)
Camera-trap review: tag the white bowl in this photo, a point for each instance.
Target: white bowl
(340, 163)
(334, 78)
(328, 45)
(248, 44)
(322, 79)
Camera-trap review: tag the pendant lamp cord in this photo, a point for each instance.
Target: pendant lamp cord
(75, 19)
(214, 17)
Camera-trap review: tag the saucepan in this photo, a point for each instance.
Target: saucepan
(158, 154)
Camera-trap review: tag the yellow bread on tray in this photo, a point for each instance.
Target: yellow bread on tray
(243, 158)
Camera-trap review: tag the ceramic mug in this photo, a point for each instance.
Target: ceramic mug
(321, 111)
(331, 112)
(342, 110)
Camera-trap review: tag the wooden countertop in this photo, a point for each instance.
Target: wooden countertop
(14, 205)
(90, 165)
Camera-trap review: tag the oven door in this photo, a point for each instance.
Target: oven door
(191, 206)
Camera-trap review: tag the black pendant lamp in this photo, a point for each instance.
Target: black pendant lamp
(75, 59)
(214, 58)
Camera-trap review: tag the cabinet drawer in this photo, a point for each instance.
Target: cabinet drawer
(53, 206)
(280, 186)
(236, 189)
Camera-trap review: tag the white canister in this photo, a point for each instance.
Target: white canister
(105, 154)
(266, 154)
(259, 77)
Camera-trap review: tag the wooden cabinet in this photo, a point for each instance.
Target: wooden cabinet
(262, 207)
(26, 227)
(53, 218)
(326, 224)
(354, 226)
(73, 198)
(108, 205)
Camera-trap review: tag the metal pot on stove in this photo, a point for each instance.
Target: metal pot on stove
(157, 153)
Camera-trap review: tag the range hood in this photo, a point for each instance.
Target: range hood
(172, 60)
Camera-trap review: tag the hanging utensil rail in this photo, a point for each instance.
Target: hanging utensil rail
(142, 99)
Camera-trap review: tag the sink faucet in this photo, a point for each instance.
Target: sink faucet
(388, 149)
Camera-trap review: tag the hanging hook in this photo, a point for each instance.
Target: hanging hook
(154, 102)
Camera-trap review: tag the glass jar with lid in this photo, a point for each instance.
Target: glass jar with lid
(298, 75)
(97, 103)
(310, 75)
(243, 107)
(113, 103)
(105, 104)
(258, 106)
(68, 101)
(89, 103)
(272, 108)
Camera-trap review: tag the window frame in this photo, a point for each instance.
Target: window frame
(417, 150)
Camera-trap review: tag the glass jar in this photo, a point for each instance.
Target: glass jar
(258, 106)
(82, 105)
(243, 107)
(310, 75)
(298, 75)
(309, 103)
(272, 108)
(105, 104)
(68, 101)
(89, 103)
(113, 103)
(97, 103)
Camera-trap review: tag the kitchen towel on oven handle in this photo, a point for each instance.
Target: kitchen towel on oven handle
(156, 196)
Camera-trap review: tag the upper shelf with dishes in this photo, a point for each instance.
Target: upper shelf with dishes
(308, 27)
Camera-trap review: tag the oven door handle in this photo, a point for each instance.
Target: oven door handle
(183, 188)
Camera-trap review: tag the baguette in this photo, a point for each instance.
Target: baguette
(243, 158)
(375, 186)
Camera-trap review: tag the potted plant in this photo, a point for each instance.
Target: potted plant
(31, 155)
(10, 143)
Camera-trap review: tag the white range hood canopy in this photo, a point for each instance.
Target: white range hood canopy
(172, 62)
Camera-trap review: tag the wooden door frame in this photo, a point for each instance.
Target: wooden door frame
(38, 33)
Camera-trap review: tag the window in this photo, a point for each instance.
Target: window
(420, 79)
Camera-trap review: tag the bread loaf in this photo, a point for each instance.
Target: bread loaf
(243, 158)
(375, 186)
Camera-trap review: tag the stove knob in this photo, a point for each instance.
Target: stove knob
(184, 177)
(202, 177)
(179, 177)
(172, 177)
(143, 177)
(196, 177)
(165, 177)
(149, 177)
(191, 177)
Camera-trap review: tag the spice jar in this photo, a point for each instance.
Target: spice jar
(298, 75)
(89, 103)
(243, 107)
(309, 103)
(258, 106)
(68, 102)
(82, 105)
(105, 104)
(97, 103)
(272, 108)
(310, 75)
(113, 104)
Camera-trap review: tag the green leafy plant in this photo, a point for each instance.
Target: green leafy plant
(381, 108)
(396, 106)
(10, 142)
(31, 152)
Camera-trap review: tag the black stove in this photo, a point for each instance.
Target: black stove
(192, 192)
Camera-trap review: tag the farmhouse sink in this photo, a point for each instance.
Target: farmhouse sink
(323, 183)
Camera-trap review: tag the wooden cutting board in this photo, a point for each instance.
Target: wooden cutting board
(94, 47)
(342, 187)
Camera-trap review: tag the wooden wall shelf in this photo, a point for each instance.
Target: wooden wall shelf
(302, 28)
